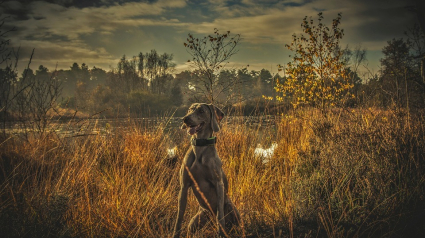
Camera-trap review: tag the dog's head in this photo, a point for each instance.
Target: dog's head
(202, 117)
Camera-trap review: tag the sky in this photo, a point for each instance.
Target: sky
(99, 32)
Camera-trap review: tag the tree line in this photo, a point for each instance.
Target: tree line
(321, 74)
(145, 90)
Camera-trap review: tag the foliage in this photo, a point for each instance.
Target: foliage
(8, 77)
(157, 70)
(145, 104)
(400, 85)
(127, 76)
(316, 76)
(149, 71)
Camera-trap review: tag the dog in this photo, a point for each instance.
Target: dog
(202, 171)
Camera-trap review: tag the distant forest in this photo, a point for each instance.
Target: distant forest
(148, 85)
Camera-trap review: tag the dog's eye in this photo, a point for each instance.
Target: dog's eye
(201, 110)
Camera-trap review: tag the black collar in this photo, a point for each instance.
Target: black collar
(204, 142)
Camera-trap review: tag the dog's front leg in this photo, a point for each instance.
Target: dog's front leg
(220, 208)
(181, 209)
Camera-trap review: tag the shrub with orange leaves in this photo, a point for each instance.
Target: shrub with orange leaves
(317, 74)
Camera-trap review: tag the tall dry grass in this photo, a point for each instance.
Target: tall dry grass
(346, 174)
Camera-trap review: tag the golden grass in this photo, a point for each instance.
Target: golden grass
(348, 174)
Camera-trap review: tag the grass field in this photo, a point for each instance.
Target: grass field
(351, 173)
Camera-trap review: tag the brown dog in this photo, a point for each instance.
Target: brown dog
(201, 170)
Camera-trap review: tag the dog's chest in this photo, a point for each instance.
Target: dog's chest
(207, 156)
(202, 172)
(204, 164)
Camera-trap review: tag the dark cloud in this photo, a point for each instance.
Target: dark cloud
(379, 21)
(20, 9)
(47, 36)
(16, 10)
(94, 3)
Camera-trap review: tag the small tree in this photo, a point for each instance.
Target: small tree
(157, 68)
(316, 75)
(401, 83)
(209, 55)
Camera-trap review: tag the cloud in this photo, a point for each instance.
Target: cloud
(273, 27)
(370, 23)
(57, 31)
(72, 22)
(63, 55)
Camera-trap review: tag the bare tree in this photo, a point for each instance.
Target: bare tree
(36, 103)
(209, 55)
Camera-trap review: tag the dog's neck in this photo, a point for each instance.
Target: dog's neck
(204, 134)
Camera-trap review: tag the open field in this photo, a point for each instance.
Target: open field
(358, 173)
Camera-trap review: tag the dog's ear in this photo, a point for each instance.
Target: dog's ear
(216, 116)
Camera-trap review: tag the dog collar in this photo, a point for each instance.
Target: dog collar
(204, 142)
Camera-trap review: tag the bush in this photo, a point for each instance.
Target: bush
(144, 104)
